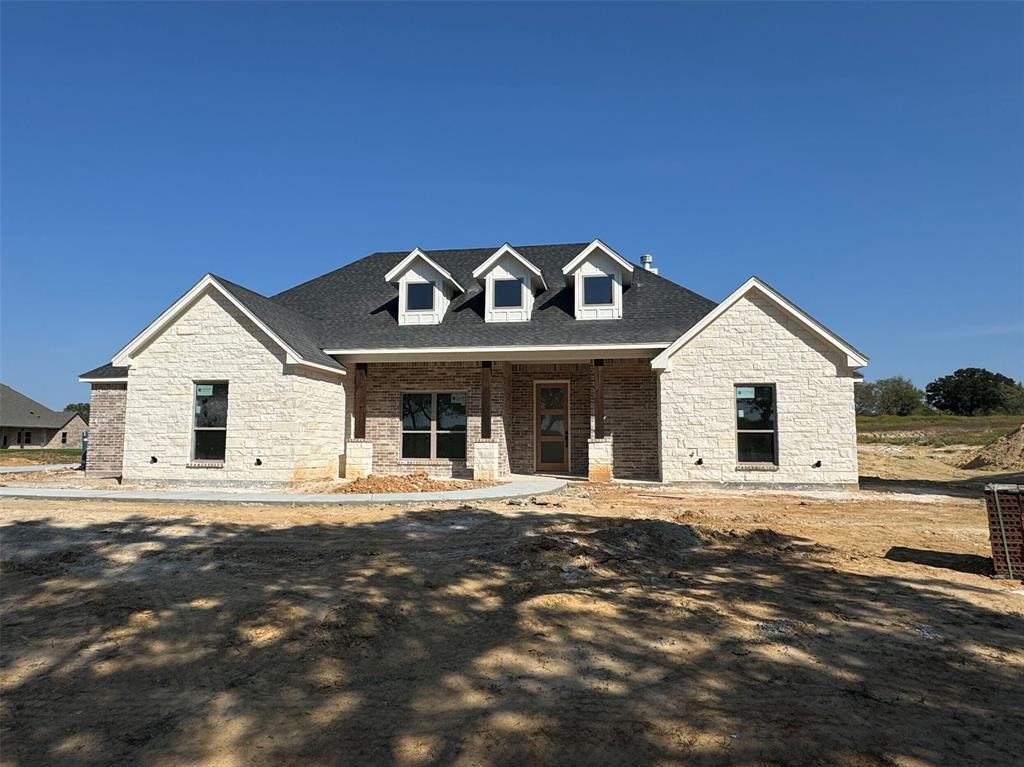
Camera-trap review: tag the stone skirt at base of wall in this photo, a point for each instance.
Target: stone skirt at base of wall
(697, 484)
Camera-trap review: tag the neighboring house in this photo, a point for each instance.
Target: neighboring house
(24, 423)
(563, 359)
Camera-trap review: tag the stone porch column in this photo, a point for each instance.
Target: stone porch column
(599, 454)
(358, 458)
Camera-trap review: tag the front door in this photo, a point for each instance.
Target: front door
(552, 426)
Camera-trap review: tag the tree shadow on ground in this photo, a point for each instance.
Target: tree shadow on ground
(969, 487)
(946, 560)
(470, 637)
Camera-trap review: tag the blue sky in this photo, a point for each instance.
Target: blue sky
(865, 159)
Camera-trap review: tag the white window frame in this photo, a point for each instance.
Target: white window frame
(611, 283)
(434, 431)
(494, 299)
(433, 296)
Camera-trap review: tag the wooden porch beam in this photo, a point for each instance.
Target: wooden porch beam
(598, 399)
(360, 401)
(485, 400)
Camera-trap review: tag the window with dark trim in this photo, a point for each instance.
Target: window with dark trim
(434, 425)
(210, 421)
(597, 290)
(508, 294)
(63, 438)
(756, 432)
(419, 296)
(28, 437)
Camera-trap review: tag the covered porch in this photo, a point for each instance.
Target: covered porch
(591, 418)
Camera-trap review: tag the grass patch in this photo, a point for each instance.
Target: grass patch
(935, 430)
(25, 457)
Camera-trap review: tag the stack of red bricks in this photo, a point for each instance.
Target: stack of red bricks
(1006, 529)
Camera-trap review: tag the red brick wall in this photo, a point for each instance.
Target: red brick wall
(631, 413)
(631, 418)
(106, 429)
(385, 383)
(1007, 521)
(520, 423)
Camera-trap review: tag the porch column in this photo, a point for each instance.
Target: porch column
(359, 450)
(486, 452)
(599, 449)
(485, 401)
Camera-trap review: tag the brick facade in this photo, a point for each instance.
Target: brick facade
(385, 384)
(755, 342)
(106, 429)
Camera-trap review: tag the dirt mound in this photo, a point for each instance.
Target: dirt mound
(398, 483)
(1007, 453)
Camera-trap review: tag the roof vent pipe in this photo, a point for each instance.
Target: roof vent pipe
(647, 262)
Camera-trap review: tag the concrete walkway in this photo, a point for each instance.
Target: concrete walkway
(517, 488)
(37, 467)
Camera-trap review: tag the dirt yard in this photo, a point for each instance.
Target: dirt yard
(610, 627)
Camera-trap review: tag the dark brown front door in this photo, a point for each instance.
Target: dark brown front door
(552, 426)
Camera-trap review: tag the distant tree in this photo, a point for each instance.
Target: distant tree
(865, 399)
(1013, 398)
(888, 396)
(82, 408)
(968, 391)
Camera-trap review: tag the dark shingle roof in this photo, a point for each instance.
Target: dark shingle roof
(18, 410)
(299, 331)
(358, 309)
(106, 371)
(355, 308)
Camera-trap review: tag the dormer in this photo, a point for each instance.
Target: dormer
(510, 284)
(598, 276)
(424, 289)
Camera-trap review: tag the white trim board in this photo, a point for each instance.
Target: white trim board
(854, 358)
(401, 266)
(572, 266)
(102, 380)
(500, 353)
(124, 357)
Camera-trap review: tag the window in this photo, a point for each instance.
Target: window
(755, 424)
(508, 294)
(597, 290)
(63, 438)
(19, 437)
(434, 426)
(210, 425)
(419, 296)
(28, 438)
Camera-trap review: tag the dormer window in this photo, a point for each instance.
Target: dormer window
(508, 294)
(419, 296)
(598, 277)
(425, 289)
(597, 290)
(510, 284)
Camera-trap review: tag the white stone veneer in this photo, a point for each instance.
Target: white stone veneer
(291, 418)
(755, 342)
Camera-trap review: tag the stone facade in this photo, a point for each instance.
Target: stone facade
(106, 429)
(487, 464)
(754, 342)
(358, 458)
(289, 418)
(600, 455)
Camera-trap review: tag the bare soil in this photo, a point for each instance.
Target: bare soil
(12, 457)
(610, 626)
(1005, 454)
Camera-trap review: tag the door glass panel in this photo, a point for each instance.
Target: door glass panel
(552, 452)
(551, 398)
(552, 425)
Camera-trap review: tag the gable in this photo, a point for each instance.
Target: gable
(784, 314)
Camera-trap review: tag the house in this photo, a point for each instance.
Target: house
(563, 359)
(24, 423)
